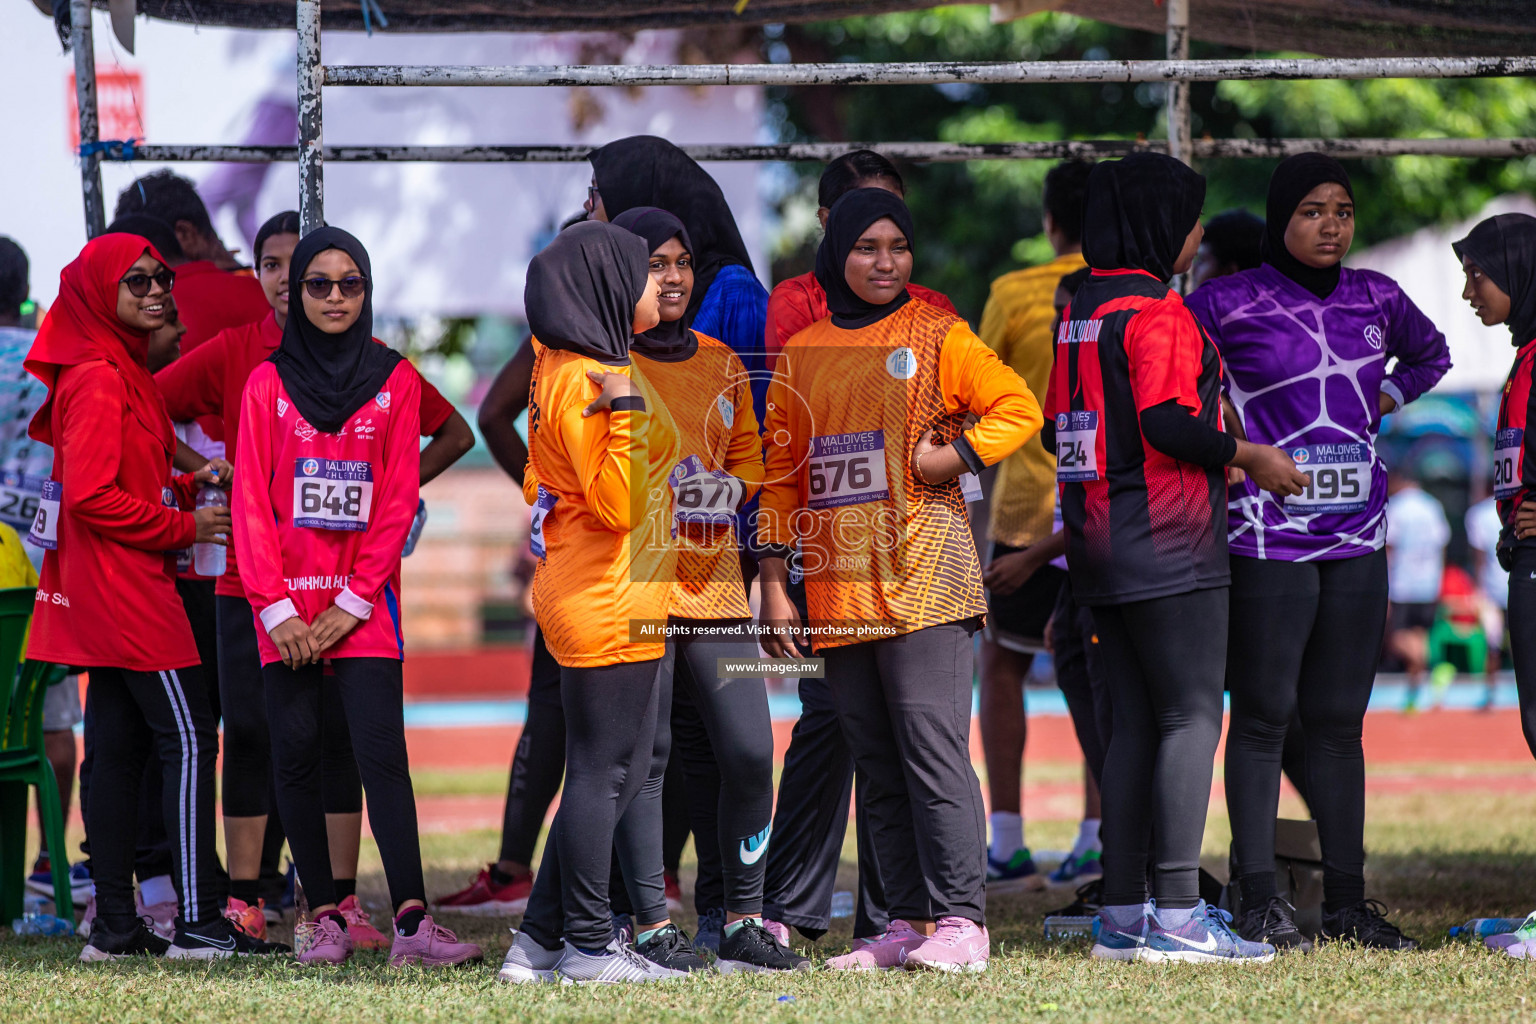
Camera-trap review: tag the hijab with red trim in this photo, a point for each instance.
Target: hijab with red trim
(83, 327)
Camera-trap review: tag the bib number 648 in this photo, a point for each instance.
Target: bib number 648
(341, 501)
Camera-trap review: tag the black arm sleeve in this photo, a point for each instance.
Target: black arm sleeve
(1048, 434)
(1174, 431)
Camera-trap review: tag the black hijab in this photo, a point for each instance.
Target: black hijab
(846, 223)
(330, 376)
(643, 170)
(1138, 213)
(1504, 248)
(582, 288)
(667, 340)
(1288, 186)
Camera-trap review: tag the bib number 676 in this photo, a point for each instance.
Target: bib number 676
(856, 470)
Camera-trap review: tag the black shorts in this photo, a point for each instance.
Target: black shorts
(1017, 621)
(1412, 615)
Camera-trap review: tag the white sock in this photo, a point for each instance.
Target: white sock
(157, 890)
(1007, 835)
(1087, 837)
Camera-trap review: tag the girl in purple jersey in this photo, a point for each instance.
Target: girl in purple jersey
(1306, 345)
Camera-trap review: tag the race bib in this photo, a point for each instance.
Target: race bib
(1508, 449)
(1077, 446)
(702, 495)
(1338, 478)
(45, 525)
(18, 499)
(970, 487)
(183, 555)
(848, 469)
(540, 511)
(332, 494)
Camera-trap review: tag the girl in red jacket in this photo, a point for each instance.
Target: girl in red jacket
(326, 489)
(110, 517)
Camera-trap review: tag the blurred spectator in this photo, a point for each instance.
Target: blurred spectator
(1483, 526)
(1417, 533)
(1231, 244)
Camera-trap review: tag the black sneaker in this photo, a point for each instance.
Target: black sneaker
(217, 940)
(670, 948)
(1366, 923)
(107, 944)
(1274, 923)
(1090, 900)
(751, 947)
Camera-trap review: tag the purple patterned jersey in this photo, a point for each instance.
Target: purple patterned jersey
(1305, 375)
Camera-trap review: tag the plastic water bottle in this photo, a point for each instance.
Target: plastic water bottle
(416, 527)
(842, 904)
(1482, 927)
(34, 922)
(208, 559)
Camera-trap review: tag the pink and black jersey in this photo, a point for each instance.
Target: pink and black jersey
(1305, 375)
(1514, 476)
(1140, 524)
(325, 516)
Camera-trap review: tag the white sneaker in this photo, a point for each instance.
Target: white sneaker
(617, 965)
(527, 961)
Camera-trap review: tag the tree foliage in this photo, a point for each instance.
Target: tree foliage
(980, 219)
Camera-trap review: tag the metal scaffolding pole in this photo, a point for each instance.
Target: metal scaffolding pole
(1000, 73)
(821, 152)
(81, 42)
(1178, 91)
(311, 151)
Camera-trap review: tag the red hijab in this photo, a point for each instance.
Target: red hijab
(82, 327)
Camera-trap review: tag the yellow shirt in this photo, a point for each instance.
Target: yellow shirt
(15, 567)
(1016, 324)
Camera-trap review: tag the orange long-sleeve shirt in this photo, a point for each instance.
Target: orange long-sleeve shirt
(884, 553)
(709, 398)
(608, 567)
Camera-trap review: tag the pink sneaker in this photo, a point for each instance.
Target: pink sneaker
(883, 953)
(322, 942)
(432, 946)
(778, 930)
(359, 927)
(162, 916)
(957, 945)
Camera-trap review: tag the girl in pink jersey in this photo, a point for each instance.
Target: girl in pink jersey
(328, 460)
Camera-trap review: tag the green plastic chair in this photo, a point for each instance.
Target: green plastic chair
(23, 763)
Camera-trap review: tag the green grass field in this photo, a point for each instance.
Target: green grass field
(1436, 859)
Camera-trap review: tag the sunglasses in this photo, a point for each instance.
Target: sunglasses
(320, 287)
(138, 284)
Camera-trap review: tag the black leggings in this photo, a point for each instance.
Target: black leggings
(905, 707)
(372, 694)
(248, 784)
(1080, 675)
(611, 719)
(138, 717)
(728, 761)
(1303, 639)
(538, 764)
(1163, 660)
(1522, 634)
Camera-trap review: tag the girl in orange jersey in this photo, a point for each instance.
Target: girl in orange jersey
(601, 447)
(865, 444)
(728, 757)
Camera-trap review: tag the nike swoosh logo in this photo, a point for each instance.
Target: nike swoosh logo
(753, 847)
(1208, 946)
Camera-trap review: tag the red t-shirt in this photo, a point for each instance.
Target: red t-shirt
(326, 515)
(210, 300)
(795, 304)
(210, 381)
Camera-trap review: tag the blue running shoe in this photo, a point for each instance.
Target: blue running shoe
(711, 930)
(1077, 867)
(81, 888)
(1017, 872)
(1112, 942)
(1207, 937)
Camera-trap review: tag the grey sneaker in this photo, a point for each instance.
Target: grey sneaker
(527, 961)
(617, 965)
